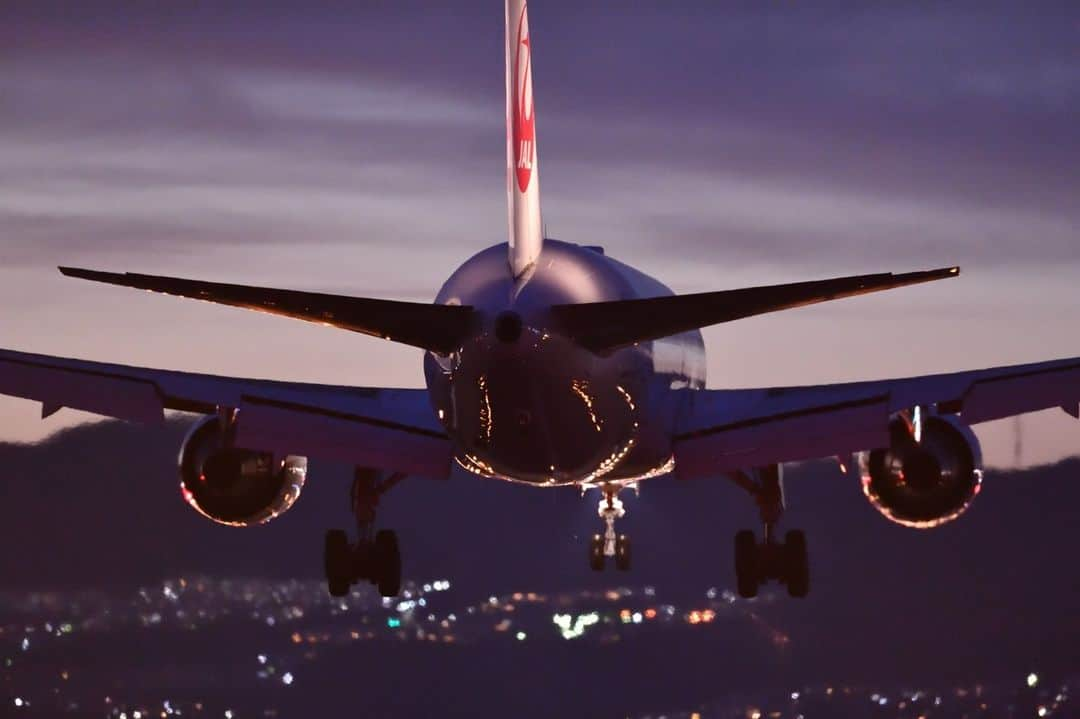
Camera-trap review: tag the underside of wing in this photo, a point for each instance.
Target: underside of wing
(439, 328)
(727, 430)
(606, 326)
(392, 429)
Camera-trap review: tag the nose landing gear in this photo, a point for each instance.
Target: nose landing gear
(375, 556)
(770, 560)
(610, 544)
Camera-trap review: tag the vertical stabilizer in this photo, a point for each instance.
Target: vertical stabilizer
(523, 176)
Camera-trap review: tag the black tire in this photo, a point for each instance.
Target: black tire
(746, 564)
(387, 563)
(336, 563)
(596, 553)
(622, 553)
(797, 564)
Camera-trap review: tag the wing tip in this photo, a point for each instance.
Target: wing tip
(93, 275)
(942, 273)
(78, 272)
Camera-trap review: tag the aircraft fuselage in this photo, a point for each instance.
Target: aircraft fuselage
(524, 403)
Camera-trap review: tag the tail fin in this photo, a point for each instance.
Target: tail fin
(439, 328)
(522, 172)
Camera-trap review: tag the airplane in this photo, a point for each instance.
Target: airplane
(552, 364)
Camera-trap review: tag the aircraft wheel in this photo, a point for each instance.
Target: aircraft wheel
(387, 563)
(596, 553)
(336, 563)
(622, 553)
(746, 564)
(797, 563)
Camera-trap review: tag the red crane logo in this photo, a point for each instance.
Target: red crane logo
(524, 125)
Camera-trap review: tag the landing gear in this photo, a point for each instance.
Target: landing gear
(757, 563)
(746, 564)
(385, 560)
(786, 563)
(610, 544)
(596, 553)
(622, 553)
(337, 560)
(375, 557)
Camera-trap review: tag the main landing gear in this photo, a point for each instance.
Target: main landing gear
(759, 562)
(610, 544)
(375, 556)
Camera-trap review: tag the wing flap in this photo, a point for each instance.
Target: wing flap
(607, 326)
(393, 429)
(721, 430)
(335, 436)
(789, 437)
(999, 397)
(439, 328)
(100, 392)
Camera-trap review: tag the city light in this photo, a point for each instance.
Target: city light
(571, 628)
(307, 620)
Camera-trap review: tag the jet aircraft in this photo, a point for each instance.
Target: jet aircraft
(552, 364)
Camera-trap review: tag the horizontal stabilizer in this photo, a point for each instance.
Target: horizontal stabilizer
(439, 328)
(607, 326)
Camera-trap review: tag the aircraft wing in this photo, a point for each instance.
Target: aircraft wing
(393, 429)
(726, 430)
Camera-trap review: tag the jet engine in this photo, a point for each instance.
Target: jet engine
(234, 486)
(930, 474)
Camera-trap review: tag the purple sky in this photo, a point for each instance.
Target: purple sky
(358, 148)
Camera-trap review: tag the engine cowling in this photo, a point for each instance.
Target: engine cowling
(234, 486)
(928, 476)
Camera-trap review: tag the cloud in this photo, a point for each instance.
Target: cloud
(752, 219)
(100, 157)
(887, 130)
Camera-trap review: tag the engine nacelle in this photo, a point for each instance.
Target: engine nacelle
(235, 486)
(929, 475)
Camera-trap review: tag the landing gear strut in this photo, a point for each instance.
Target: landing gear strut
(759, 562)
(375, 556)
(610, 544)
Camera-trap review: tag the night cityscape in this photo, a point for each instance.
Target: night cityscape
(290, 630)
(886, 632)
(299, 627)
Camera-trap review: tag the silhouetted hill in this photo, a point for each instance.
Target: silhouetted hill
(98, 506)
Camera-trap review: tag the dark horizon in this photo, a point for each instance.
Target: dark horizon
(982, 601)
